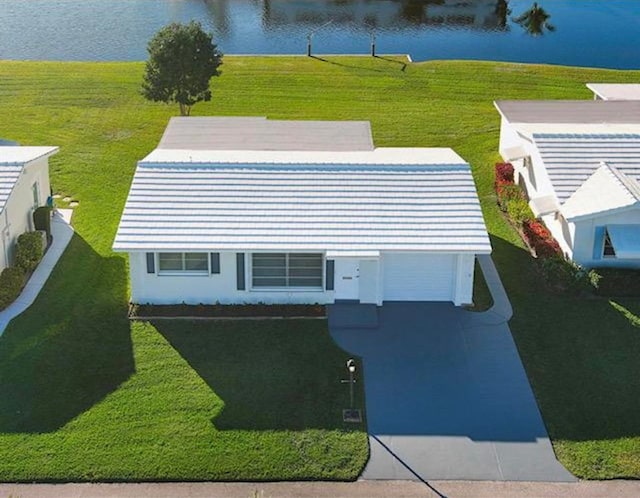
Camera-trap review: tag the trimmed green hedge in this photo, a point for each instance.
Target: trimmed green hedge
(42, 220)
(29, 251)
(11, 283)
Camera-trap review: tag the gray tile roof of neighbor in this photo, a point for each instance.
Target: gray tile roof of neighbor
(570, 111)
(570, 159)
(259, 133)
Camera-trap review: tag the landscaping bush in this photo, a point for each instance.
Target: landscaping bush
(42, 220)
(11, 283)
(29, 251)
(540, 240)
(567, 276)
(618, 282)
(504, 173)
(507, 193)
(518, 210)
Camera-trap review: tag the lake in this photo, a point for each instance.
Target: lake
(597, 33)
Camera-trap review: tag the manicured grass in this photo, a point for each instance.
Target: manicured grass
(93, 398)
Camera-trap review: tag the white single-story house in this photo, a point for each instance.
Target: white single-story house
(579, 162)
(24, 186)
(615, 91)
(303, 225)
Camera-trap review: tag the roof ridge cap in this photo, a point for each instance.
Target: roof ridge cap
(631, 185)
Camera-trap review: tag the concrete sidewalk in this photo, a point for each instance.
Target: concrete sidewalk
(62, 231)
(359, 489)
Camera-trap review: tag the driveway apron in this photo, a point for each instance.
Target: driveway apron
(447, 396)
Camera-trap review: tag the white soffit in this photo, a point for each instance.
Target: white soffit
(23, 155)
(379, 156)
(615, 91)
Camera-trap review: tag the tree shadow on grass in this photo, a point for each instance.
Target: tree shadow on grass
(71, 348)
(270, 374)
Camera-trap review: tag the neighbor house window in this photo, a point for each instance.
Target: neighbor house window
(608, 250)
(286, 270)
(183, 262)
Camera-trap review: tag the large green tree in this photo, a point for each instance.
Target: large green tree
(182, 61)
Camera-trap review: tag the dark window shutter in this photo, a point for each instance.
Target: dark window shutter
(240, 270)
(330, 274)
(598, 243)
(215, 262)
(151, 262)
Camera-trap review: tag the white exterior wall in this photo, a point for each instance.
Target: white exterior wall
(536, 180)
(18, 211)
(509, 138)
(563, 231)
(465, 267)
(585, 239)
(222, 288)
(369, 281)
(210, 289)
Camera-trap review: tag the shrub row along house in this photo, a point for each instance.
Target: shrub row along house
(248, 210)
(579, 163)
(24, 186)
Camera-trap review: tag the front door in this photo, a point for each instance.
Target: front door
(347, 278)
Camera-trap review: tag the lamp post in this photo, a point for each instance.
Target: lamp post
(351, 414)
(351, 366)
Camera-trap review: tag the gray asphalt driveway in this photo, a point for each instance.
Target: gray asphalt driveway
(447, 396)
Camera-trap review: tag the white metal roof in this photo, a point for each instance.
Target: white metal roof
(605, 190)
(22, 155)
(338, 202)
(259, 133)
(570, 159)
(12, 161)
(615, 91)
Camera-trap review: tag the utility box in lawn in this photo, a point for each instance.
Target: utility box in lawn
(42, 221)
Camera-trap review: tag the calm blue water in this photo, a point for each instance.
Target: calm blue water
(599, 33)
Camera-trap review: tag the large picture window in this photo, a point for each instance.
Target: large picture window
(286, 270)
(183, 262)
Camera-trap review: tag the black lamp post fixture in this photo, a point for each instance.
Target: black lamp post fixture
(351, 414)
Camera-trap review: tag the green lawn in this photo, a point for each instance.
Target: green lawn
(87, 396)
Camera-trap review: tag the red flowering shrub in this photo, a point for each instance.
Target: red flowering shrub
(504, 173)
(540, 239)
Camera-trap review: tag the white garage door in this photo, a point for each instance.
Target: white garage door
(419, 277)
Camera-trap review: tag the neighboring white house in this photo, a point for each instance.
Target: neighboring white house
(579, 162)
(301, 226)
(24, 186)
(615, 91)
